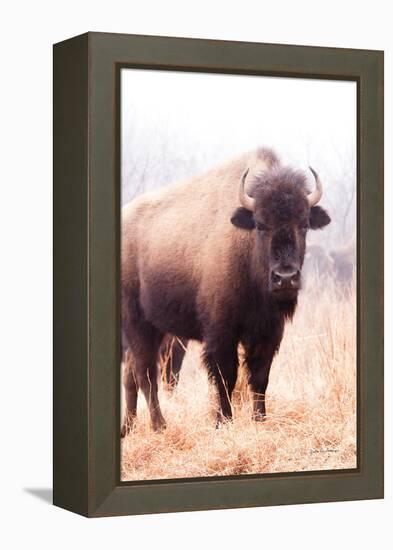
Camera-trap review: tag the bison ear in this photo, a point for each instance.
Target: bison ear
(243, 218)
(318, 217)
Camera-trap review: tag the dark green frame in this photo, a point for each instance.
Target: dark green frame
(86, 269)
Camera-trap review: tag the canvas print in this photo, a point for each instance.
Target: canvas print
(238, 275)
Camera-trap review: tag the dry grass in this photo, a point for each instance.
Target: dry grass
(311, 406)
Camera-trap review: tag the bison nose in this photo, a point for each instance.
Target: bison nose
(285, 279)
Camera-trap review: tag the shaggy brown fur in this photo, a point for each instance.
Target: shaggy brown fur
(197, 265)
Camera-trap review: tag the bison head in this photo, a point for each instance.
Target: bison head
(280, 210)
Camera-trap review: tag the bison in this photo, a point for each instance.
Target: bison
(169, 362)
(344, 263)
(215, 259)
(317, 263)
(171, 355)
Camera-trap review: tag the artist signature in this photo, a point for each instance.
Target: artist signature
(313, 451)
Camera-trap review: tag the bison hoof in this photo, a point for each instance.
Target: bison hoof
(222, 420)
(158, 424)
(127, 425)
(259, 417)
(125, 430)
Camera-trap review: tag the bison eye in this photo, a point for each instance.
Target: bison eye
(262, 226)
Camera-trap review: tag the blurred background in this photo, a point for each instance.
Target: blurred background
(175, 125)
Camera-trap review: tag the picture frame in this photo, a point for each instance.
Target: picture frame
(86, 377)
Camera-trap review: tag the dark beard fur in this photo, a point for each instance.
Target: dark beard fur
(287, 308)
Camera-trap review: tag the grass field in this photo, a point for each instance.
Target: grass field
(311, 406)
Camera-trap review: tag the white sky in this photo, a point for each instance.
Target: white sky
(184, 123)
(237, 113)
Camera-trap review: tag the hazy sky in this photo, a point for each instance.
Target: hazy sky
(183, 123)
(235, 113)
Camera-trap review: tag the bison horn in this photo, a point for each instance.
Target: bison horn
(245, 199)
(315, 196)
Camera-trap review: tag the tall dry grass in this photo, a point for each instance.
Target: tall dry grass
(311, 406)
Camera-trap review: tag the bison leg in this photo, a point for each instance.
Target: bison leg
(258, 360)
(145, 342)
(131, 394)
(172, 352)
(222, 366)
